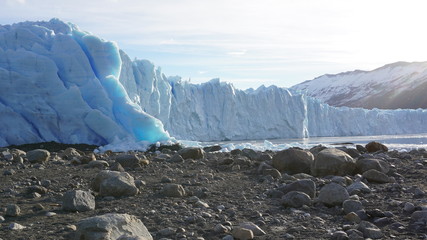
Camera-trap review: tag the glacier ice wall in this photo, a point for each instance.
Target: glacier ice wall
(217, 111)
(59, 83)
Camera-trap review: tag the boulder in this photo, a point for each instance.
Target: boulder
(365, 164)
(305, 185)
(214, 148)
(296, 199)
(111, 226)
(78, 200)
(333, 194)
(351, 205)
(112, 183)
(250, 153)
(293, 161)
(369, 230)
(332, 161)
(38, 156)
(129, 160)
(354, 153)
(376, 176)
(69, 153)
(375, 147)
(192, 152)
(357, 187)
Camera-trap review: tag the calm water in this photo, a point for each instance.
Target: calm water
(399, 142)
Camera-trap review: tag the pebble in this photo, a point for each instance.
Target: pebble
(2, 219)
(50, 214)
(16, 226)
(257, 231)
(167, 232)
(173, 190)
(219, 228)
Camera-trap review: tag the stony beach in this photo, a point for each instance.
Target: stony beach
(354, 192)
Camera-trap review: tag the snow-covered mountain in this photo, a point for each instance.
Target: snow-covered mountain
(393, 86)
(59, 83)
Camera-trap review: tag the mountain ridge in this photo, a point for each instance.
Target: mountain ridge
(392, 86)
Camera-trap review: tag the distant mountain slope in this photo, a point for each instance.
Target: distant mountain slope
(396, 85)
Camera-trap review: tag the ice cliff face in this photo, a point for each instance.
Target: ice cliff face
(396, 85)
(59, 83)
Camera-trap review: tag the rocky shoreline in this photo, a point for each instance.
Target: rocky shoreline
(191, 193)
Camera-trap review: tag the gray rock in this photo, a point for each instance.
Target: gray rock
(192, 152)
(117, 167)
(409, 207)
(16, 226)
(250, 153)
(36, 189)
(214, 148)
(373, 175)
(166, 232)
(332, 161)
(365, 164)
(305, 185)
(100, 164)
(293, 161)
(339, 235)
(253, 227)
(351, 206)
(357, 187)
(177, 158)
(129, 160)
(78, 200)
(419, 216)
(369, 230)
(173, 190)
(354, 234)
(12, 210)
(352, 217)
(38, 156)
(375, 147)
(219, 228)
(69, 153)
(354, 153)
(243, 233)
(111, 227)
(296, 199)
(333, 194)
(85, 159)
(272, 172)
(112, 183)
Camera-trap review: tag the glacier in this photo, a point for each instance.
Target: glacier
(59, 83)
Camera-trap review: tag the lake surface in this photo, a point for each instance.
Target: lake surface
(398, 142)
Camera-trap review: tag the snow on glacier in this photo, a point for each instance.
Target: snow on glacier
(59, 83)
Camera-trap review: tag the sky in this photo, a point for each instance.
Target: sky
(246, 42)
